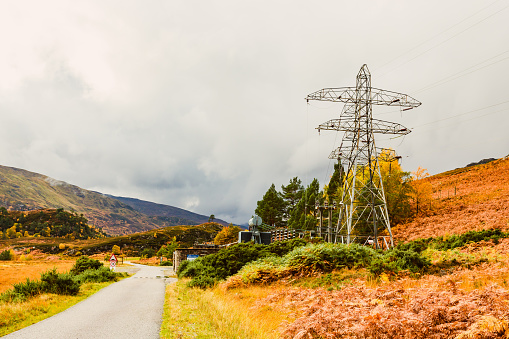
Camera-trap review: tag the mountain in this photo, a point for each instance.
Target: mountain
(166, 211)
(25, 191)
(471, 198)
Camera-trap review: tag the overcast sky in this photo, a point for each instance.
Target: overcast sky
(200, 104)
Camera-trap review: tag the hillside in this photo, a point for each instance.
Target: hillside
(166, 211)
(25, 191)
(464, 199)
(131, 244)
(49, 223)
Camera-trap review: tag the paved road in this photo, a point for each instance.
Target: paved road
(131, 308)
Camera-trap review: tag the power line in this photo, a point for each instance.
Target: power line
(443, 42)
(457, 115)
(459, 75)
(436, 35)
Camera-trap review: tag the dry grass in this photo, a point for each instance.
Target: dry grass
(14, 316)
(12, 272)
(217, 313)
(463, 302)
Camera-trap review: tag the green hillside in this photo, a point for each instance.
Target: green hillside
(48, 223)
(131, 244)
(22, 190)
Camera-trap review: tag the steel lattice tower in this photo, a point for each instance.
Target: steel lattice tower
(363, 208)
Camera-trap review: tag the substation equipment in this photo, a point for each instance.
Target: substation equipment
(255, 233)
(363, 204)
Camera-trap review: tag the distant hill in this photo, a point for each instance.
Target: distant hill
(131, 244)
(166, 211)
(475, 197)
(23, 190)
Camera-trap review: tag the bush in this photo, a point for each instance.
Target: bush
(148, 253)
(202, 281)
(27, 289)
(454, 241)
(59, 283)
(166, 263)
(228, 261)
(85, 263)
(397, 260)
(281, 248)
(102, 274)
(6, 255)
(327, 257)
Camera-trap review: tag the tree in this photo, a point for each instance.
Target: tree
(291, 193)
(397, 188)
(271, 208)
(334, 188)
(422, 191)
(11, 232)
(116, 249)
(227, 235)
(304, 214)
(212, 217)
(167, 250)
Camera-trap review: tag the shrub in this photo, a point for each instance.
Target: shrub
(166, 263)
(327, 257)
(454, 241)
(222, 264)
(59, 283)
(84, 263)
(202, 281)
(6, 255)
(472, 236)
(27, 289)
(102, 274)
(281, 248)
(148, 253)
(397, 260)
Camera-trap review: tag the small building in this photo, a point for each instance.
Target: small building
(182, 254)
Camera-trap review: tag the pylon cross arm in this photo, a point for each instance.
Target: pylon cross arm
(350, 124)
(342, 94)
(388, 98)
(378, 97)
(345, 153)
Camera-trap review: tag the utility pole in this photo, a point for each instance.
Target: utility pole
(363, 208)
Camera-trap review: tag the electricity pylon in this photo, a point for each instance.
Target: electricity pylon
(363, 205)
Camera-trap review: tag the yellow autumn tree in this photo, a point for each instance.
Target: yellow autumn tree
(11, 232)
(422, 191)
(116, 249)
(227, 235)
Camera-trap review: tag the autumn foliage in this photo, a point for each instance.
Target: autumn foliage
(462, 200)
(227, 235)
(391, 312)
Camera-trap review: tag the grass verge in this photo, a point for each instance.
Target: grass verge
(15, 316)
(217, 313)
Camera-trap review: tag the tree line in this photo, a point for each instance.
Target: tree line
(407, 195)
(46, 223)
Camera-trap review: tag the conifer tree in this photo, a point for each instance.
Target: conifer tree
(304, 214)
(271, 208)
(292, 194)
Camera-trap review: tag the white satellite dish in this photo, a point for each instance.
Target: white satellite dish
(255, 221)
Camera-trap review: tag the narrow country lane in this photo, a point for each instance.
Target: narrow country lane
(131, 308)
